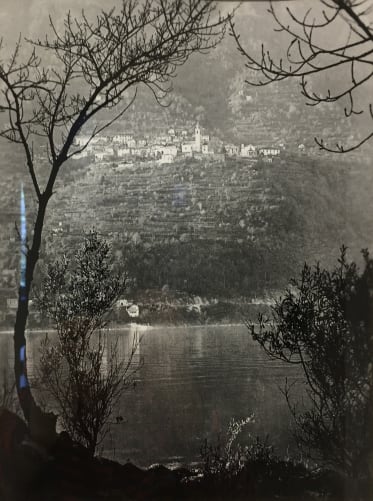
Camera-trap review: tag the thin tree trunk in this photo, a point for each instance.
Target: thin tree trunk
(26, 399)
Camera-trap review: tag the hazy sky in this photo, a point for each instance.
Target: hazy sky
(31, 16)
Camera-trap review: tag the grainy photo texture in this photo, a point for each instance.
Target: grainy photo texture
(186, 216)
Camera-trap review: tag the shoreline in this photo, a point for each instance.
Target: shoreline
(140, 326)
(165, 315)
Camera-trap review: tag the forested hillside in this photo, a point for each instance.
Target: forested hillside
(220, 227)
(215, 227)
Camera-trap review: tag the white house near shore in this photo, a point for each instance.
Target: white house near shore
(133, 311)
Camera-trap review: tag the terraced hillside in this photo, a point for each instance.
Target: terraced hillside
(187, 222)
(230, 226)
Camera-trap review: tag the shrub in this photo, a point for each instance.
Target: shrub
(225, 460)
(252, 470)
(324, 325)
(80, 372)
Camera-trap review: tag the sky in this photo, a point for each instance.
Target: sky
(31, 16)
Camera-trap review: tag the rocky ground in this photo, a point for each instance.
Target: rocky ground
(66, 472)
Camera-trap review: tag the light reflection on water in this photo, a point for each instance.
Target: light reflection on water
(191, 382)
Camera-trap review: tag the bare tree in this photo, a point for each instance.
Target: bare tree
(90, 66)
(314, 51)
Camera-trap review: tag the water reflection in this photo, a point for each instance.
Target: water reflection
(190, 382)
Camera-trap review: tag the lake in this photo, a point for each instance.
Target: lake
(190, 382)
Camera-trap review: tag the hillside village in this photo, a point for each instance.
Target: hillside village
(192, 209)
(161, 184)
(128, 202)
(166, 178)
(176, 143)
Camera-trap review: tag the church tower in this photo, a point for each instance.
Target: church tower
(197, 137)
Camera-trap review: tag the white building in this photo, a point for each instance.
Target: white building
(122, 138)
(166, 159)
(109, 151)
(232, 149)
(133, 311)
(118, 139)
(170, 149)
(142, 152)
(81, 140)
(160, 149)
(104, 153)
(122, 152)
(248, 151)
(12, 303)
(269, 151)
(187, 147)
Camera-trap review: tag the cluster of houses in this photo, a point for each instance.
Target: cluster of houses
(132, 309)
(174, 144)
(164, 148)
(251, 151)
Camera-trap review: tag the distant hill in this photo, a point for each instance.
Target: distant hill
(217, 226)
(221, 227)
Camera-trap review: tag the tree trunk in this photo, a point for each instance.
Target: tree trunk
(26, 399)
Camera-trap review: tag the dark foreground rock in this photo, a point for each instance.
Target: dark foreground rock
(66, 472)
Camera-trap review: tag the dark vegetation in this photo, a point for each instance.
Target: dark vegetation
(257, 225)
(252, 472)
(323, 324)
(213, 269)
(80, 375)
(53, 86)
(240, 228)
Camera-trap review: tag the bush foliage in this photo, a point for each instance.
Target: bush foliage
(81, 374)
(324, 324)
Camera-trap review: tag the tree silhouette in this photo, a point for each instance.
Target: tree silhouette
(81, 374)
(67, 78)
(323, 324)
(315, 54)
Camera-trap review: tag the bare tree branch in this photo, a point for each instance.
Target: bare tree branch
(67, 78)
(307, 56)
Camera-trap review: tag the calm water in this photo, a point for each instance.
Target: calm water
(191, 382)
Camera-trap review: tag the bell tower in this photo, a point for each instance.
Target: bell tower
(197, 137)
